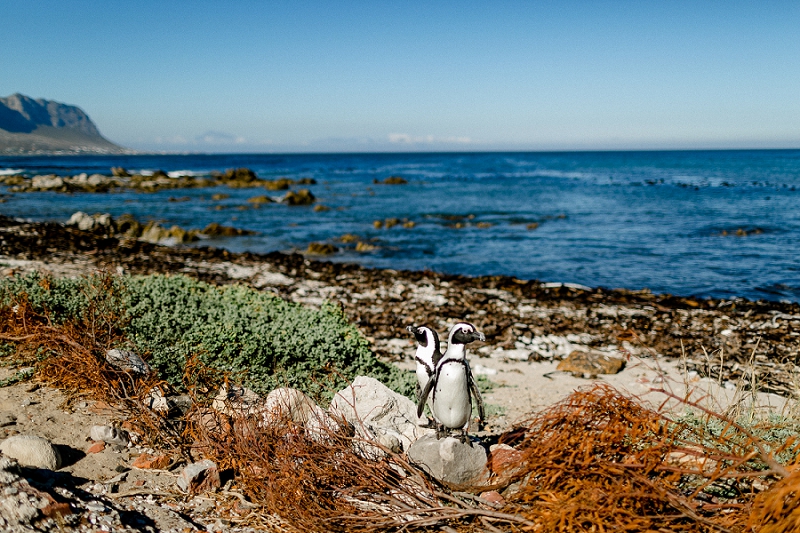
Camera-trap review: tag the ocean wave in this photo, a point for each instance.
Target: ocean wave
(191, 173)
(10, 171)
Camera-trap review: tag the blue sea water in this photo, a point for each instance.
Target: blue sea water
(666, 221)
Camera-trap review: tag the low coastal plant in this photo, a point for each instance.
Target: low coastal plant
(256, 337)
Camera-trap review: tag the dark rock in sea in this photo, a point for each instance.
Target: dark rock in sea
(392, 180)
(217, 230)
(155, 233)
(241, 175)
(321, 248)
(306, 181)
(220, 196)
(280, 184)
(120, 172)
(532, 226)
(12, 180)
(257, 200)
(349, 238)
(364, 247)
(301, 197)
(319, 208)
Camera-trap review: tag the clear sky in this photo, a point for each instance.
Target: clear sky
(245, 76)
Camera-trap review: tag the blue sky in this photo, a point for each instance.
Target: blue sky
(296, 76)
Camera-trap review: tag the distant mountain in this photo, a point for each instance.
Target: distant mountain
(43, 126)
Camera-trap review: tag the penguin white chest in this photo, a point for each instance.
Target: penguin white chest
(422, 376)
(451, 403)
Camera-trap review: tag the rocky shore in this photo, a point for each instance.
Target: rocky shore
(542, 342)
(524, 319)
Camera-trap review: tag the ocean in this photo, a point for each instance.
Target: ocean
(723, 224)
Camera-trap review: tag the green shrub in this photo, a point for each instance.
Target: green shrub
(259, 338)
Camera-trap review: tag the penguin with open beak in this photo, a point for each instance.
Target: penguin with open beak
(453, 386)
(427, 355)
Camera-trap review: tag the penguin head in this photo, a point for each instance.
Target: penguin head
(464, 333)
(425, 336)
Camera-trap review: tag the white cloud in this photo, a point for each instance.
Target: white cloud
(217, 137)
(405, 138)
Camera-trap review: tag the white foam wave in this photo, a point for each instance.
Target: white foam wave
(10, 171)
(180, 173)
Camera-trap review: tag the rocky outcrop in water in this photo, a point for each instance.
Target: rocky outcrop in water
(30, 125)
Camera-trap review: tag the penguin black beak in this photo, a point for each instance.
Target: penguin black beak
(412, 329)
(480, 336)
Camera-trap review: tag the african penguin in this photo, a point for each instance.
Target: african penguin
(427, 355)
(453, 385)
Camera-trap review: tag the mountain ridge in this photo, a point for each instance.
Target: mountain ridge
(29, 126)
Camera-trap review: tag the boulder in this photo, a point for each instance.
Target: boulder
(280, 184)
(83, 221)
(590, 364)
(49, 182)
(128, 361)
(292, 404)
(321, 248)
(199, 477)
(32, 451)
(262, 199)
(301, 197)
(109, 435)
(449, 460)
(379, 414)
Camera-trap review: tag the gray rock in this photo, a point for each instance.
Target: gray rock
(292, 404)
(83, 221)
(109, 435)
(96, 179)
(33, 451)
(156, 401)
(378, 413)
(128, 361)
(199, 477)
(44, 183)
(449, 460)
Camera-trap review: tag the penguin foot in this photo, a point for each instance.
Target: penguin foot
(464, 438)
(440, 431)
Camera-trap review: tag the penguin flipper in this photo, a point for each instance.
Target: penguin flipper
(473, 388)
(424, 396)
(437, 356)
